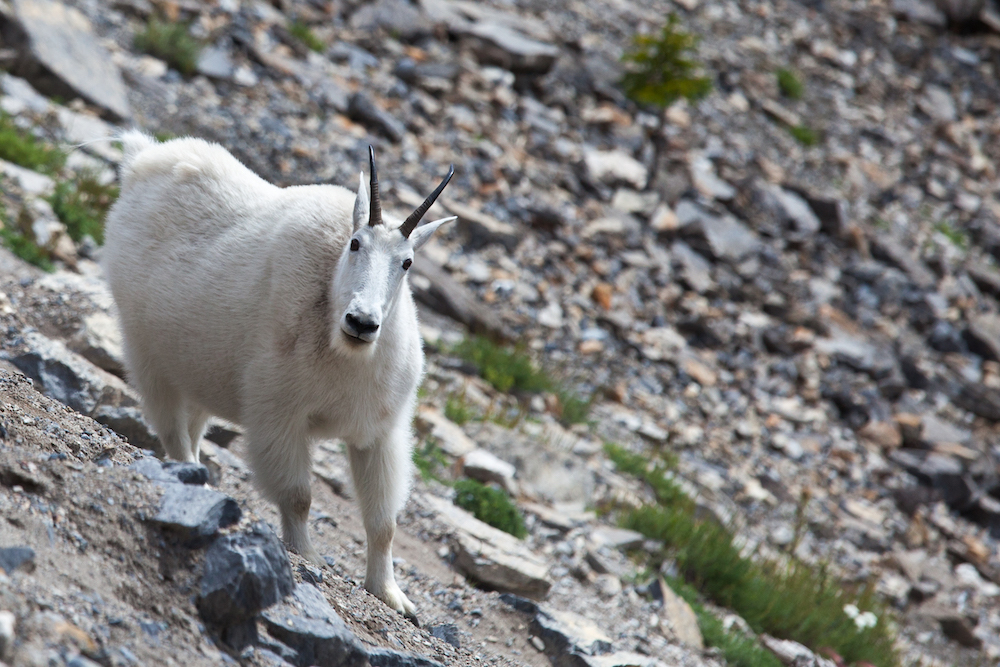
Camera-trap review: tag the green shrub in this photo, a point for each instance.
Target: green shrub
(794, 601)
(22, 148)
(170, 42)
(82, 205)
(661, 69)
(304, 34)
(491, 506)
(789, 84)
(804, 134)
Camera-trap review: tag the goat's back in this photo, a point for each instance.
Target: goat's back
(205, 259)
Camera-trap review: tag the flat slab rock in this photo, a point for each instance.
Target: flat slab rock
(60, 55)
(491, 556)
(195, 512)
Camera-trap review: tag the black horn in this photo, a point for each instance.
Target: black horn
(411, 222)
(375, 207)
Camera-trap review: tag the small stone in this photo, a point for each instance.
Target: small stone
(608, 586)
(537, 643)
(705, 180)
(885, 435)
(700, 373)
(447, 632)
(565, 632)
(602, 294)
(615, 167)
(17, 558)
(679, 617)
(8, 622)
(449, 435)
(664, 219)
(938, 103)
(364, 110)
(483, 466)
(617, 538)
(503, 46)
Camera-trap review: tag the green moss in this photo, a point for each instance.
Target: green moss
(789, 84)
(804, 134)
(794, 601)
(491, 506)
(304, 34)
(82, 205)
(22, 148)
(170, 42)
(661, 69)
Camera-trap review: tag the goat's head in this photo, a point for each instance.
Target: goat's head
(375, 261)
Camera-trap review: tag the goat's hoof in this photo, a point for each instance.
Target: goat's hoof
(411, 616)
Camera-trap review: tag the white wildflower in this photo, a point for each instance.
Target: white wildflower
(851, 610)
(866, 620)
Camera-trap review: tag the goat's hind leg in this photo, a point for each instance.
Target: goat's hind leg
(163, 406)
(382, 473)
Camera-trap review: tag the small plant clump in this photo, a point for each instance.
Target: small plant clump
(491, 506)
(82, 204)
(20, 240)
(795, 601)
(304, 34)
(789, 84)
(661, 69)
(956, 237)
(512, 370)
(458, 410)
(804, 134)
(170, 42)
(22, 148)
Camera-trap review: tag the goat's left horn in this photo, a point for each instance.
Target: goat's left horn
(375, 207)
(411, 222)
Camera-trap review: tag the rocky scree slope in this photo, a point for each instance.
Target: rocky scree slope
(812, 330)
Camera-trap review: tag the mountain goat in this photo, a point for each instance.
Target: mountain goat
(286, 310)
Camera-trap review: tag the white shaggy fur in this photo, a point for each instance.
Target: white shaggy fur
(236, 299)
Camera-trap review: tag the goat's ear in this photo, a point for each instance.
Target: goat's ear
(422, 234)
(361, 204)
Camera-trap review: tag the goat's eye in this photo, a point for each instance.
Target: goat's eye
(355, 244)
(406, 263)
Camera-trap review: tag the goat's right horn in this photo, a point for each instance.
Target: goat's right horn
(411, 222)
(375, 206)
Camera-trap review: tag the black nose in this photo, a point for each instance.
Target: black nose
(361, 326)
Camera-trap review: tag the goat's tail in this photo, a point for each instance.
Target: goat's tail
(133, 143)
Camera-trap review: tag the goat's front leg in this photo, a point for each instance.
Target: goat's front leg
(382, 472)
(282, 468)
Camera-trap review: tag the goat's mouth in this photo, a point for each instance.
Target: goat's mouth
(358, 340)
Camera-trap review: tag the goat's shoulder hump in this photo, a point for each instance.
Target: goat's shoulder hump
(189, 158)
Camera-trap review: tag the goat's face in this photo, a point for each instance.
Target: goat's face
(372, 268)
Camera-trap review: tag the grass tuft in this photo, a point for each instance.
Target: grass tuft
(22, 148)
(458, 410)
(789, 84)
(491, 506)
(512, 370)
(804, 134)
(794, 601)
(82, 204)
(430, 461)
(20, 240)
(956, 237)
(170, 42)
(304, 34)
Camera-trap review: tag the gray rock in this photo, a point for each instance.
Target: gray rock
(446, 632)
(195, 513)
(308, 624)
(128, 422)
(979, 400)
(791, 210)
(692, 268)
(793, 653)
(362, 109)
(614, 168)
(99, 341)
(186, 472)
(721, 237)
(244, 573)
(449, 435)
(491, 556)
(568, 635)
(480, 465)
(984, 335)
(707, 182)
(401, 19)
(677, 614)
(215, 62)
(59, 54)
(30, 182)
(68, 378)
(386, 657)
(616, 538)
(506, 47)
(17, 558)
(920, 11)
(892, 250)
